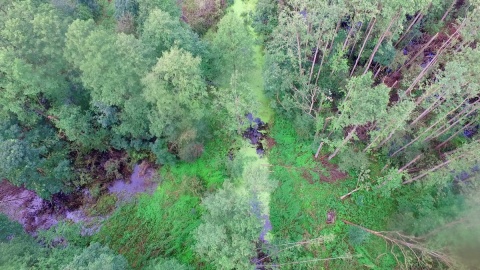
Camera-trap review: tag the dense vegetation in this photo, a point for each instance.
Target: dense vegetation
(369, 158)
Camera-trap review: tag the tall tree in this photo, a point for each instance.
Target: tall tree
(233, 221)
(145, 6)
(362, 104)
(177, 91)
(35, 159)
(229, 230)
(32, 67)
(302, 47)
(161, 31)
(122, 61)
(449, 100)
(234, 102)
(233, 46)
(394, 120)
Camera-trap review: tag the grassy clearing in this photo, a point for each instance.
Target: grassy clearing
(155, 226)
(255, 75)
(299, 209)
(161, 225)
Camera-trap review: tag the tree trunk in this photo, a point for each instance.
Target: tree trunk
(299, 49)
(339, 23)
(386, 139)
(410, 163)
(314, 60)
(348, 37)
(312, 98)
(453, 136)
(419, 52)
(349, 136)
(371, 24)
(380, 69)
(427, 172)
(353, 48)
(461, 116)
(382, 37)
(421, 98)
(349, 193)
(434, 60)
(318, 150)
(441, 165)
(371, 143)
(426, 111)
(321, 64)
(412, 245)
(420, 76)
(448, 11)
(412, 141)
(430, 127)
(415, 20)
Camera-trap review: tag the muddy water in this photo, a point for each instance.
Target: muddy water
(35, 213)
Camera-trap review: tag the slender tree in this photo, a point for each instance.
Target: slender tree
(363, 104)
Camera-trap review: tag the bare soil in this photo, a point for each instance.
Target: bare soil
(334, 173)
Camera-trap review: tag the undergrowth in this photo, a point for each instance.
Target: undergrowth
(299, 209)
(161, 225)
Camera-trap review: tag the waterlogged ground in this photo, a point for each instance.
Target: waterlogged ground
(35, 213)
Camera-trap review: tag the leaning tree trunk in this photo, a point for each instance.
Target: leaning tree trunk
(411, 162)
(414, 21)
(453, 136)
(321, 64)
(299, 52)
(427, 110)
(349, 193)
(314, 60)
(405, 242)
(349, 136)
(448, 11)
(377, 46)
(427, 172)
(348, 37)
(419, 52)
(435, 58)
(460, 116)
(371, 24)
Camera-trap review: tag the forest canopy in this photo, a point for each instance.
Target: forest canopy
(287, 134)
